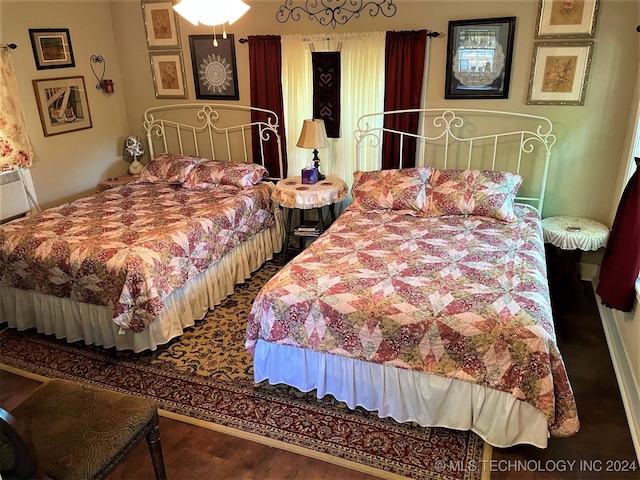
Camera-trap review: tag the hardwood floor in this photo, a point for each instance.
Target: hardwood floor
(600, 450)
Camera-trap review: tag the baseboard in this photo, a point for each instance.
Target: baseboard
(588, 271)
(628, 384)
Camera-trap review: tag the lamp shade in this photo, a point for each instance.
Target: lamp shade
(133, 147)
(211, 12)
(313, 134)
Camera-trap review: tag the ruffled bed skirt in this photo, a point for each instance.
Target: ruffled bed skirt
(404, 395)
(74, 321)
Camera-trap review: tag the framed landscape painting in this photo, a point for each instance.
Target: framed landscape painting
(51, 48)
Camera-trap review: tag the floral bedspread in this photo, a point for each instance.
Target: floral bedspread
(129, 247)
(464, 297)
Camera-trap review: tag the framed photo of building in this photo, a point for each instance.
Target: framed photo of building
(63, 105)
(51, 48)
(214, 67)
(559, 73)
(167, 69)
(566, 19)
(479, 55)
(161, 24)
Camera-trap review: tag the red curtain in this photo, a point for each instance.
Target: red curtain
(265, 70)
(404, 69)
(621, 261)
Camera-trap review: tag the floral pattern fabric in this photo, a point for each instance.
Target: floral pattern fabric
(406, 190)
(475, 192)
(130, 246)
(167, 168)
(16, 151)
(211, 173)
(463, 297)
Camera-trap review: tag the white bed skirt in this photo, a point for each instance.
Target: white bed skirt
(404, 395)
(74, 321)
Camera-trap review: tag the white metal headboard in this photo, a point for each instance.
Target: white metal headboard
(213, 131)
(469, 139)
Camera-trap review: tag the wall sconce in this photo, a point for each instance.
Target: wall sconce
(106, 85)
(329, 12)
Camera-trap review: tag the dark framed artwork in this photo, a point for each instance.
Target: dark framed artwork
(479, 57)
(214, 67)
(51, 48)
(63, 104)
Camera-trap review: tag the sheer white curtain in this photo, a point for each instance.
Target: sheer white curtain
(362, 85)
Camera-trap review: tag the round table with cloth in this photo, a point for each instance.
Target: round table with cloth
(574, 233)
(571, 236)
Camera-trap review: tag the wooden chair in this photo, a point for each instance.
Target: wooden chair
(70, 430)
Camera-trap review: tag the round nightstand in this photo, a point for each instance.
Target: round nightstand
(291, 194)
(571, 236)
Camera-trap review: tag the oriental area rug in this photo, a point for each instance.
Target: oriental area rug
(205, 377)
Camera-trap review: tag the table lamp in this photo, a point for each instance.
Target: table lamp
(314, 135)
(133, 148)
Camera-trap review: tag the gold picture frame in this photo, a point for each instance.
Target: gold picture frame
(169, 79)
(161, 24)
(567, 19)
(559, 73)
(63, 104)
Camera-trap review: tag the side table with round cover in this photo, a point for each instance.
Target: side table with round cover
(291, 194)
(571, 236)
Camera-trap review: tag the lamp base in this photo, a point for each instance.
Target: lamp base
(316, 164)
(135, 168)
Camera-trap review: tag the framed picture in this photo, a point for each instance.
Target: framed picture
(214, 68)
(559, 73)
(51, 48)
(160, 24)
(479, 54)
(567, 19)
(63, 104)
(167, 69)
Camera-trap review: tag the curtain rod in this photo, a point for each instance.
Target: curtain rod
(12, 46)
(429, 34)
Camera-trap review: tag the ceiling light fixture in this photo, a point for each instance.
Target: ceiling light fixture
(334, 12)
(212, 13)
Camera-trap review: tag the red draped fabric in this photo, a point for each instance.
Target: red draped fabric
(265, 71)
(621, 261)
(404, 69)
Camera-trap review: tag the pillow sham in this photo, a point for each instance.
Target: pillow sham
(167, 168)
(474, 192)
(212, 172)
(406, 190)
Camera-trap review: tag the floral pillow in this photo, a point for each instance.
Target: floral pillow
(212, 172)
(405, 189)
(167, 168)
(475, 192)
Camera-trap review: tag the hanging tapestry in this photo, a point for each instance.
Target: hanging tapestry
(326, 90)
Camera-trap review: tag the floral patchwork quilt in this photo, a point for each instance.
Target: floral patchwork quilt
(130, 246)
(461, 296)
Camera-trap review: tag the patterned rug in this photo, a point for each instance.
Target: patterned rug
(205, 377)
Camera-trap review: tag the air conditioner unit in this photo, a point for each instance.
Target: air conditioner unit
(14, 201)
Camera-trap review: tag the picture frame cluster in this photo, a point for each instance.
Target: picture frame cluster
(162, 32)
(561, 62)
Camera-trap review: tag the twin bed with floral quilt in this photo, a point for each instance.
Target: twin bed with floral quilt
(132, 266)
(427, 300)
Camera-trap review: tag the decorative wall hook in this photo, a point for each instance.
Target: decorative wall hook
(334, 12)
(105, 85)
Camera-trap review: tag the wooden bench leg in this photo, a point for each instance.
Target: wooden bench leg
(155, 448)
